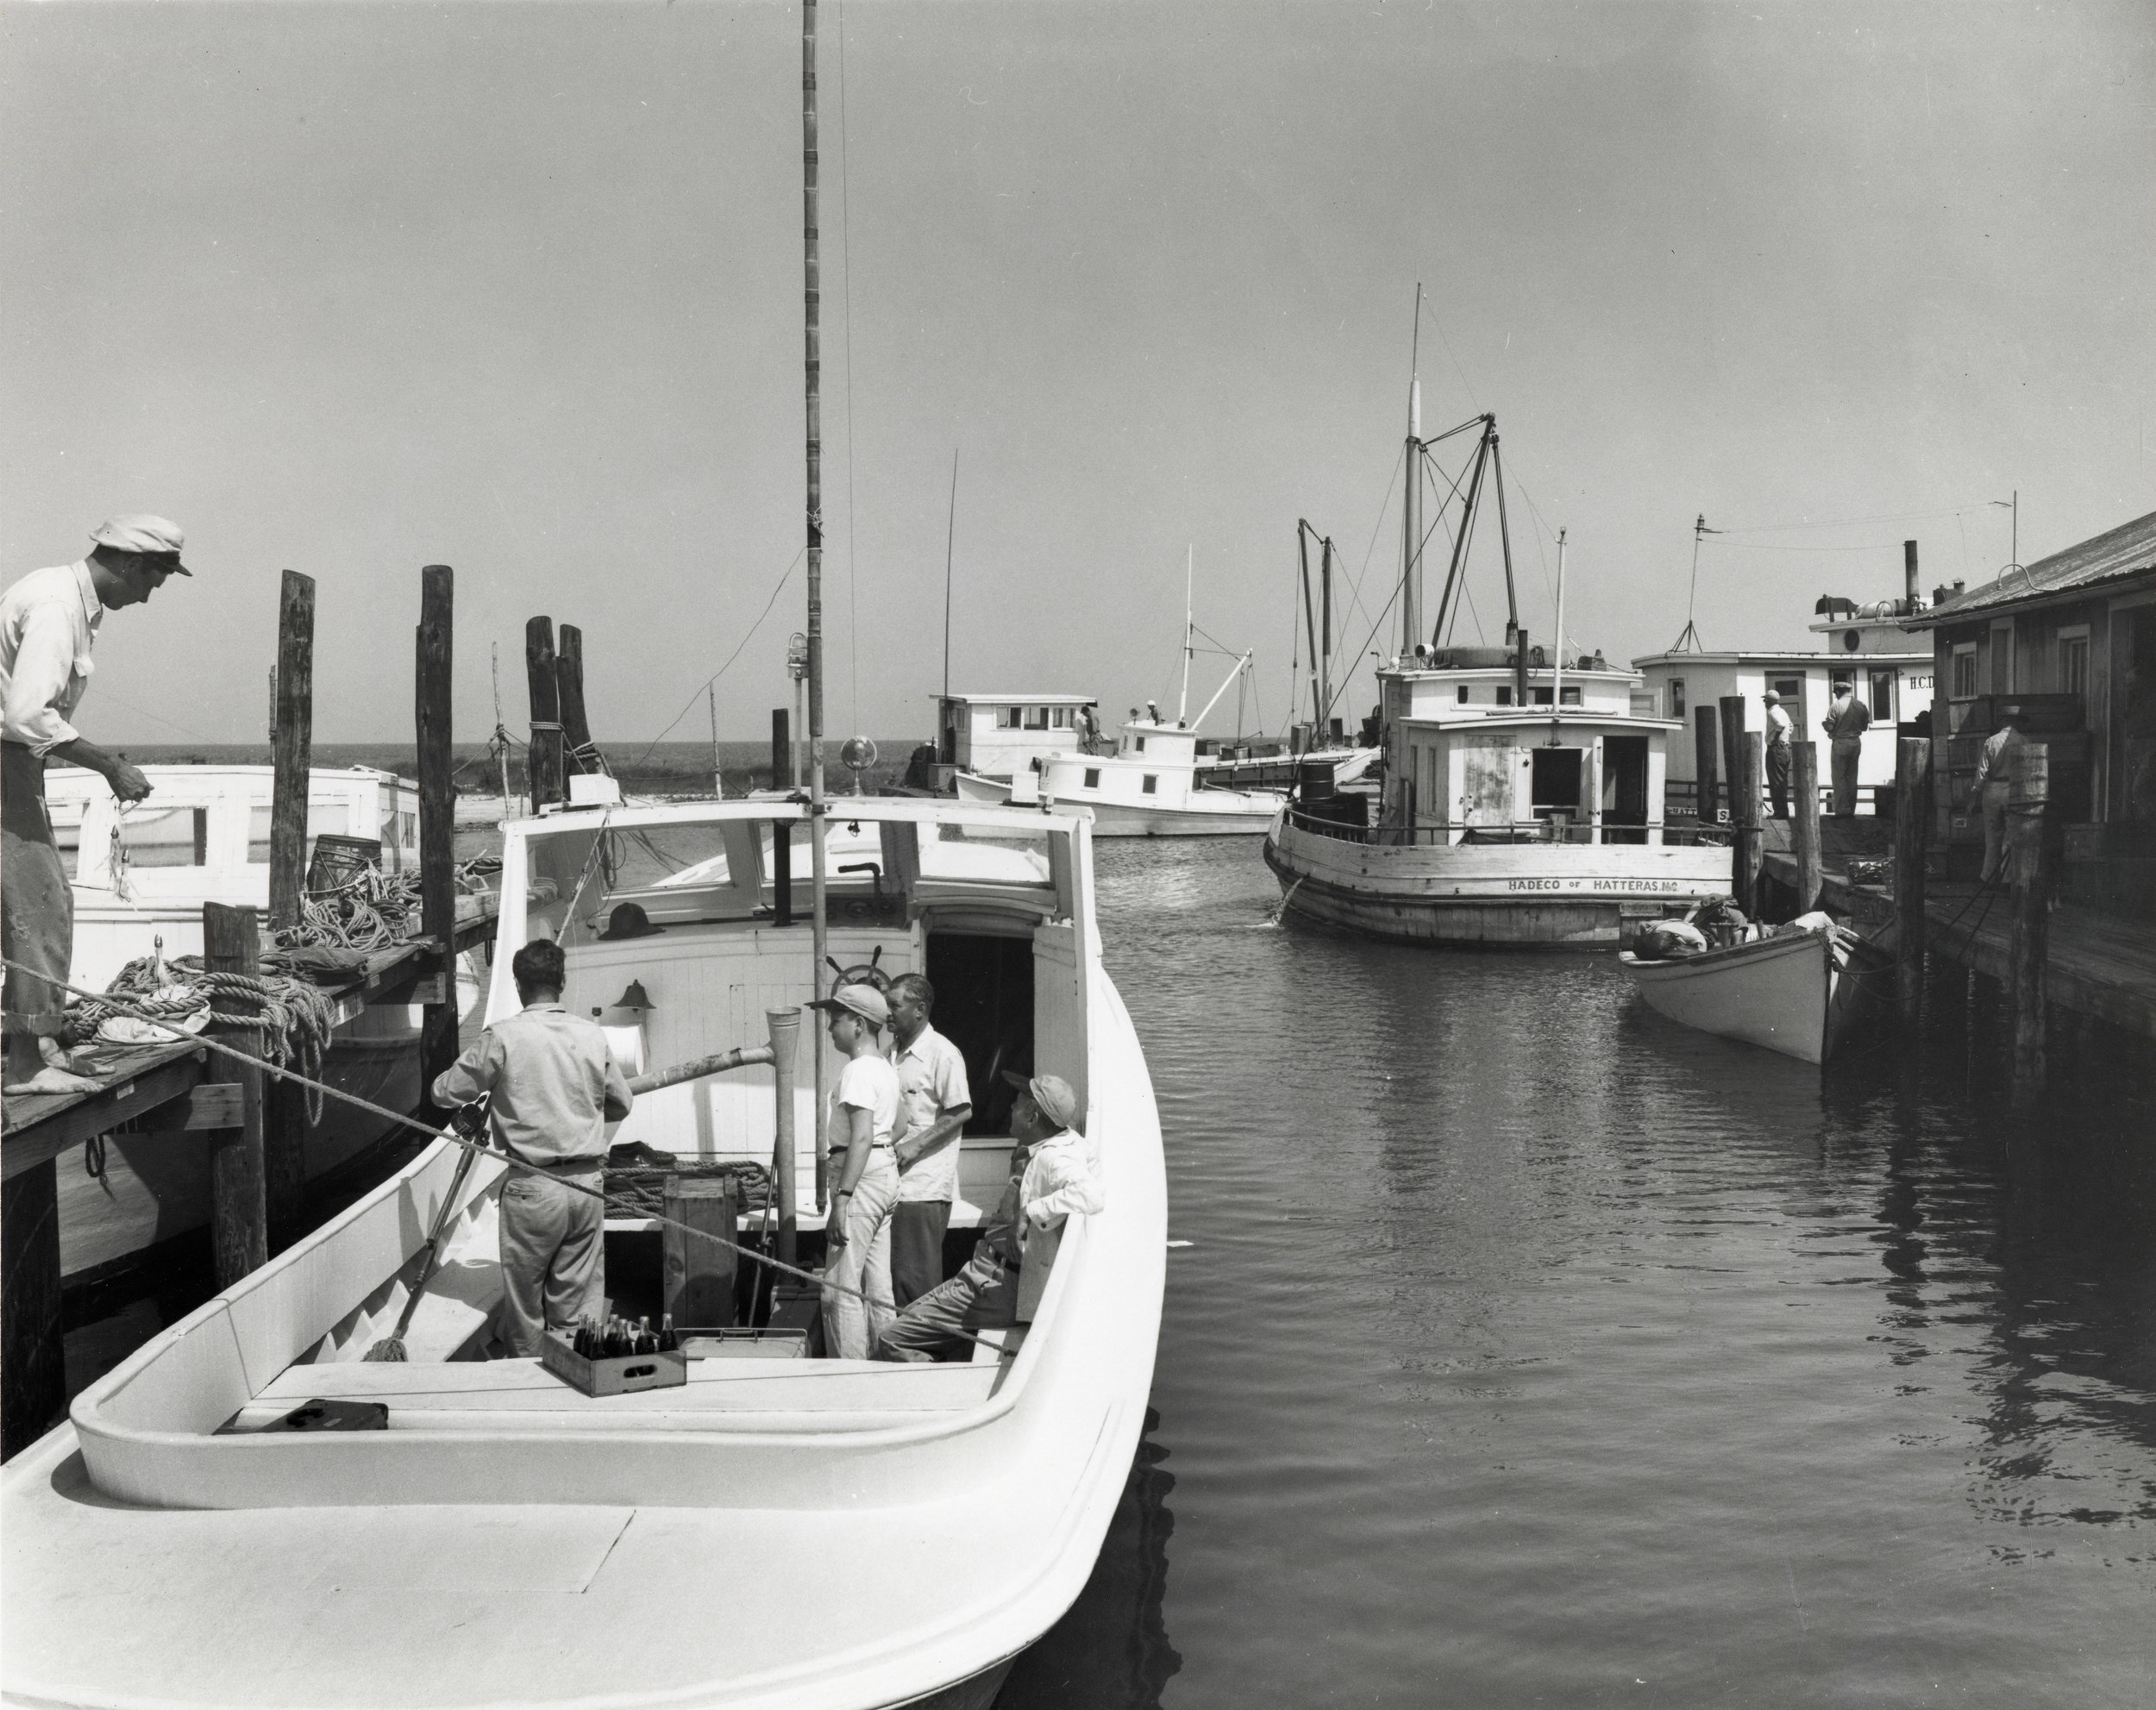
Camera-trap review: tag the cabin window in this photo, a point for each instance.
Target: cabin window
(1542, 697)
(1093, 777)
(1141, 745)
(1037, 718)
(1676, 697)
(1570, 697)
(2073, 661)
(323, 818)
(1059, 718)
(1504, 694)
(1555, 786)
(1148, 784)
(1964, 677)
(1010, 717)
(1463, 694)
(66, 822)
(1881, 703)
(173, 836)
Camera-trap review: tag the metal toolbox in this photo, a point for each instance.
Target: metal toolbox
(623, 1375)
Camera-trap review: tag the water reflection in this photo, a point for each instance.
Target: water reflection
(1112, 1652)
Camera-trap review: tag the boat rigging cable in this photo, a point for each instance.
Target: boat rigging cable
(784, 577)
(321, 1089)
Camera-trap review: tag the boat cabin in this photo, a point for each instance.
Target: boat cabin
(1479, 749)
(202, 835)
(1000, 736)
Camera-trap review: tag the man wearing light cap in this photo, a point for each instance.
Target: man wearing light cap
(49, 624)
(857, 1232)
(1779, 753)
(1052, 1175)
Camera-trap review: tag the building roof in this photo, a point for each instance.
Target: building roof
(1030, 697)
(2126, 550)
(1773, 656)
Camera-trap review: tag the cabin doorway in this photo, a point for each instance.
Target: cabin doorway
(1624, 789)
(984, 1005)
(1554, 792)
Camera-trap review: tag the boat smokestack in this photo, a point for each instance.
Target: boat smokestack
(1908, 570)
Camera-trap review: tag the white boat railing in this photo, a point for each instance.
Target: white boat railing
(1507, 833)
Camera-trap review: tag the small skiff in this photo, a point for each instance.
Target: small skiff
(820, 1534)
(1802, 993)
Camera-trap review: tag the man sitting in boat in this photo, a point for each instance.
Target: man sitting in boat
(857, 1234)
(1052, 1175)
(555, 1087)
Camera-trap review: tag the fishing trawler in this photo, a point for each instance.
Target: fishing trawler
(972, 1497)
(1521, 797)
(139, 876)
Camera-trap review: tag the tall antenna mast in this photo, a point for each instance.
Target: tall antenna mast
(950, 540)
(1182, 704)
(813, 306)
(1556, 652)
(1411, 499)
(1689, 640)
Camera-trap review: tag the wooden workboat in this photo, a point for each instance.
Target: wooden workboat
(1805, 994)
(1152, 786)
(803, 1532)
(139, 879)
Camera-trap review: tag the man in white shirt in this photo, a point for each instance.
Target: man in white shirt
(1052, 1175)
(1779, 753)
(933, 1103)
(864, 1111)
(1989, 790)
(49, 624)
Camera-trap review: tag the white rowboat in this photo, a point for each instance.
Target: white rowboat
(1803, 995)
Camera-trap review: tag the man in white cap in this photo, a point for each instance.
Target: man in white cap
(48, 623)
(857, 1232)
(1052, 1175)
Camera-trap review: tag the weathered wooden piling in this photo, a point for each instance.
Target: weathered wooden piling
(1705, 741)
(578, 753)
(285, 1107)
(32, 1350)
(544, 767)
(1732, 708)
(2029, 954)
(437, 819)
(238, 1207)
(1811, 873)
(1912, 819)
(1746, 852)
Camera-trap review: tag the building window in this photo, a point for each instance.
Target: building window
(1881, 702)
(1037, 718)
(1676, 697)
(1059, 718)
(1010, 717)
(1965, 679)
(2073, 661)
(1148, 784)
(1093, 777)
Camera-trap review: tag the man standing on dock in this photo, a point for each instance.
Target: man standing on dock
(933, 1103)
(49, 624)
(1848, 719)
(1777, 754)
(1990, 789)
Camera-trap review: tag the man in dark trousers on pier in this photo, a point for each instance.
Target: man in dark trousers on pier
(1848, 719)
(933, 1103)
(555, 1087)
(48, 623)
(1779, 753)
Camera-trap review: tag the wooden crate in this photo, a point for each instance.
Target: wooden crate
(623, 1375)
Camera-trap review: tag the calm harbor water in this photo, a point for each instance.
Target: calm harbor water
(1529, 1350)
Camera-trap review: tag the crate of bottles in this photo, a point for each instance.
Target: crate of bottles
(614, 1356)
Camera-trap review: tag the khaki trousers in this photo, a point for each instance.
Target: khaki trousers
(37, 910)
(554, 1255)
(851, 1324)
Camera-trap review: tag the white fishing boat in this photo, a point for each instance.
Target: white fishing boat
(139, 876)
(1521, 800)
(1804, 994)
(806, 1532)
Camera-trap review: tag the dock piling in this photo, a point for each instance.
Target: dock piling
(2030, 952)
(1912, 819)
(1704, 767)
(285, 1110)
(544, 767)
(1746, 760)
(437, 819)
(578, 753)
(1811, 874)
(239, 1208)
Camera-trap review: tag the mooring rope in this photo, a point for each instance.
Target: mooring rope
(321, 1090)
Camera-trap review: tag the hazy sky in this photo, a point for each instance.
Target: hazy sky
(517, 287)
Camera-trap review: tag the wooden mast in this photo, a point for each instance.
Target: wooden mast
(812, 305)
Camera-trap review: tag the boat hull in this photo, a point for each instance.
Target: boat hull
(1801, 995)
(1546, 896)
(1113, 819)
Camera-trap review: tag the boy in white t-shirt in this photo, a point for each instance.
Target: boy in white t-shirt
(864, 1110)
